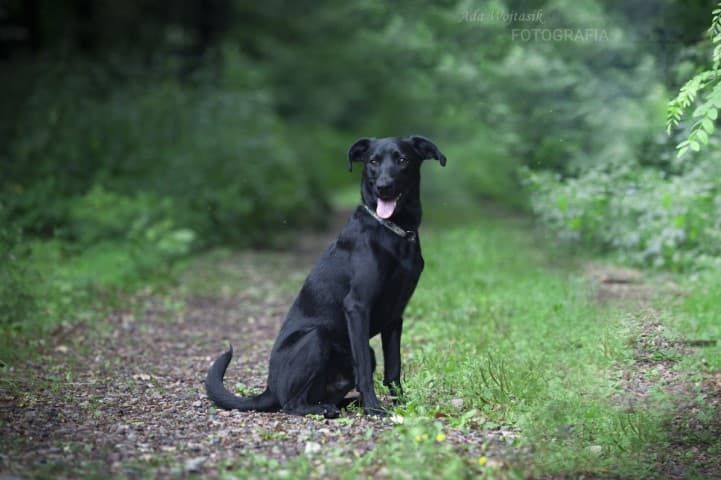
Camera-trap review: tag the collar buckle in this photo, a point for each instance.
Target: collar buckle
(409, 235)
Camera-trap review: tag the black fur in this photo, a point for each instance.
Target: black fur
(357, 289)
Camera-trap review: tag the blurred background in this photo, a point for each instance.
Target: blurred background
(136, 133)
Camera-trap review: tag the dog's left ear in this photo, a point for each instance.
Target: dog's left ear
(357, 150)
(426, 149)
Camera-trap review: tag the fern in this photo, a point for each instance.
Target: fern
(686, 97)
(706, 113)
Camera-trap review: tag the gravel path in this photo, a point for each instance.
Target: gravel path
(125, 397)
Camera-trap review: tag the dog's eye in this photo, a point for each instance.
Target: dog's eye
(374, 161)
(402, 160)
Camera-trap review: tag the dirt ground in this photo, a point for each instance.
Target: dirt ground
(126, 398)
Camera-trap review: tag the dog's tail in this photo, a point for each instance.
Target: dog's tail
(219, 395)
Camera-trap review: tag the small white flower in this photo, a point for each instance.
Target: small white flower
(397, 419)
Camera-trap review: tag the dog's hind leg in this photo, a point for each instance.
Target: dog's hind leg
(303, 377)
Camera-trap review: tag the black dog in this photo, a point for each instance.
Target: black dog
(358, 288)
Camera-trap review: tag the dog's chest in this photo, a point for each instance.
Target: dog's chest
(398, 286)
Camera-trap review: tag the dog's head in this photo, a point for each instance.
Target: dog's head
(391, 169)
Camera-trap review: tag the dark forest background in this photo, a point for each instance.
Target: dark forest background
(133, 134)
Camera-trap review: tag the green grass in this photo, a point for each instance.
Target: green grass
(495, 324)
(68, 287)
(696, 318)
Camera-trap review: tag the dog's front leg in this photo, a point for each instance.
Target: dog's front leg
(391, 339)
(357, 315)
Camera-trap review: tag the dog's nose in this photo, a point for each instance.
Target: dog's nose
(385, 187)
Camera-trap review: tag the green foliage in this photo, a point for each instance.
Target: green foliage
(144, 221)
(647, 217)
(214, 161)
(706, 112)
(633, 198)
(574, 104)
(17, 299)
(109, 179)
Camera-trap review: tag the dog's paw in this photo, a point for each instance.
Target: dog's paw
(397, 398)
(331, 411)
(395, 391)
(376, 411)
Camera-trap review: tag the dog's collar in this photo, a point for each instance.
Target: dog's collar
(409, 235)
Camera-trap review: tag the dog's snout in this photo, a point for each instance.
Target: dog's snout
(385, 186)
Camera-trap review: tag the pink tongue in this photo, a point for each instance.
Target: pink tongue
(384, 208)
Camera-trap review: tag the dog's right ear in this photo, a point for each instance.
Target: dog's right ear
(357, 150)
(427, 149)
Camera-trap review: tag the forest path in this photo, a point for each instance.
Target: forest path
(125, 397)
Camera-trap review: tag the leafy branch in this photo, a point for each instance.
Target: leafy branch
(705, 115)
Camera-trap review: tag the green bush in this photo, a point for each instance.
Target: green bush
(17, 297)
(629, 194)
(98, 162)
(111, 179)
(143, 221)
(648, 216)
(574, 104)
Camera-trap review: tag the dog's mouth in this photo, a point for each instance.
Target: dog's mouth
(386, 207)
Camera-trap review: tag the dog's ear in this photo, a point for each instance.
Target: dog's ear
(426, 149)
(357, 150)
